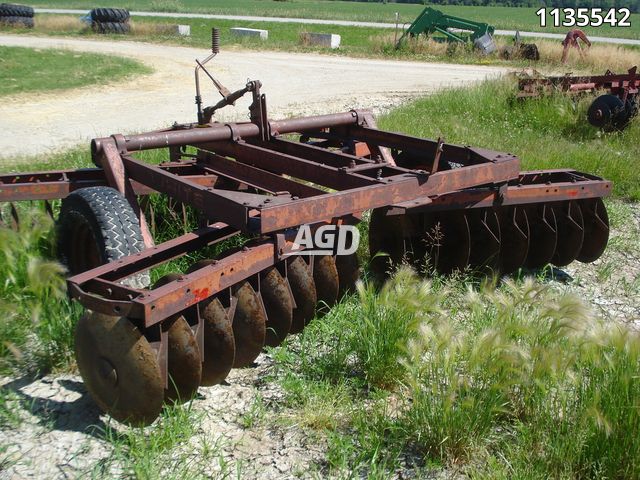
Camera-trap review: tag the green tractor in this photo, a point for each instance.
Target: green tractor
(447, 28)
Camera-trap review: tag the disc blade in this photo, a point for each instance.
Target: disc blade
(393, 240)
(596, 229)
(325, 276)
(219, 343)
(249, 325)
(544, 235)
(304, 293)
(184, 365)
(119, 368)
(484, 231)
(348, 267)
(514, 248)
(570, 233)
(446, 241)
(278, 304)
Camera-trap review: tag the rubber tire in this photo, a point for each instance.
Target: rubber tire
(105, 15)
(25, 22)
(110, 220)
(613, 111)
(111, 27)
(12, 10)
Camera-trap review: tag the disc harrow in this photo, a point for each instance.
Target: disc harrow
(438, 206)
(613, 109)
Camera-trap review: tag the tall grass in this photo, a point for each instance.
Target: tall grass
(516, 381)
(596, 60)
(36, 319)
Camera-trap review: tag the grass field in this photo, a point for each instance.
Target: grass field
(24, 70)
(504, 18)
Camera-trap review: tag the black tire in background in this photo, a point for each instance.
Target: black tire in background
(25, 22)
(117, 15)
(96, 225)
(12, 10)
(110, 27)
(607, 112)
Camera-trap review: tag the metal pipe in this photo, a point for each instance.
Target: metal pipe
(218, 132)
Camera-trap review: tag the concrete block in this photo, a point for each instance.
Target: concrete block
(250, 32)
(329, 40)
(184, 30)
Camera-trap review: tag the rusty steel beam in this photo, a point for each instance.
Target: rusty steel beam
(396, 189)
(57, 184)
(265, 158)
(427, 148)
(258, 178)
(630, 82)
(530, 187)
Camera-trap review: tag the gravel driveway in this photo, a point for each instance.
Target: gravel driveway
(295, 84)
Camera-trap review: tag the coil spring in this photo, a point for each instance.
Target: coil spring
(215, 40)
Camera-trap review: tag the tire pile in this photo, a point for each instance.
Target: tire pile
(110, 20)
(16, 15)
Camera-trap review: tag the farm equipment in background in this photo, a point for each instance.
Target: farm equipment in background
(528, 51)
(442, 27)
(433, 204)
(610, 111)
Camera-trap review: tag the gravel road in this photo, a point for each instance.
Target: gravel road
(295, 84)
(315, 21)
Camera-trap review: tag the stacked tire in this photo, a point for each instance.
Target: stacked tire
(110, 20)
(16, 15)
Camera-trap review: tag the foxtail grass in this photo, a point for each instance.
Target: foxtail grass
(517, 380)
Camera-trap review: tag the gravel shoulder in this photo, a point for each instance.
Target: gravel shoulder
(295, 84)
